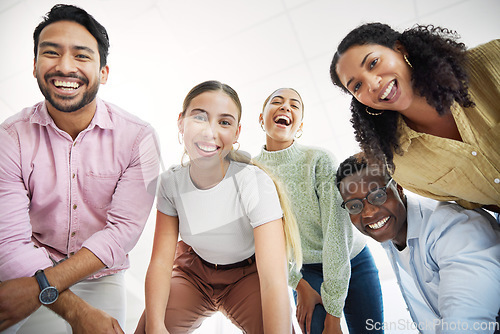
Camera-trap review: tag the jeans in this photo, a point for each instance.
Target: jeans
(364, 296)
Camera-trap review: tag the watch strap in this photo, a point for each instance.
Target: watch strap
(42, 280)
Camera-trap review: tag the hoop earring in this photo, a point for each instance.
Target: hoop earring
(238, 146)
(299, 133)
(374, 113)
(262, 126)
(180, 138)
(407, 61)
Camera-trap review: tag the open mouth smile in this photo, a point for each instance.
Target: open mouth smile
(208, 148)
(283, 120)
(66, 85)
(390, 91)
(381, 223)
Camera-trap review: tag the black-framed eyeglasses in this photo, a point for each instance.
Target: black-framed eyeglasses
(376, 197)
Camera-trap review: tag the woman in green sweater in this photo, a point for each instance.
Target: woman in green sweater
(338, 273)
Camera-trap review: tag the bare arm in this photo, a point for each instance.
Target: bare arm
(160, 271)
(272, 267)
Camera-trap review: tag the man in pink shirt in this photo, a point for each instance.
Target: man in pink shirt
(77, 182)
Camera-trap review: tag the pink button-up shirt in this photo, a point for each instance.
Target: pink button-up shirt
(58, 195)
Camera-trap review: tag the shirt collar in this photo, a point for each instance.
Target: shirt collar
(414, 218)
(101, 117)
(406, 134)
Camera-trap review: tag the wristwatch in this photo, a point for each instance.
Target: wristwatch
(48, 294)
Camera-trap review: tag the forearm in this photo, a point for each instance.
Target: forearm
(78, 267)
(332, 324)
(276, 311)
(157, 293)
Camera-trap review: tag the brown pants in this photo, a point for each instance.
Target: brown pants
(198, 291)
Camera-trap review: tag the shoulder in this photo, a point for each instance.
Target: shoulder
(445, 220)
(121, 117)
(319, 155)
(21, 118)
(484, 55)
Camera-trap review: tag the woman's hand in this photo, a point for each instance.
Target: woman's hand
(332, 325)
(307, 298)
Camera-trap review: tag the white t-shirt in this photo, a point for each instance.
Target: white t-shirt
(218, 222)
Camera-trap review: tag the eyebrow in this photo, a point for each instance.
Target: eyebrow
(58, 46)
(361, 65)
(199, 110)
(281, 97)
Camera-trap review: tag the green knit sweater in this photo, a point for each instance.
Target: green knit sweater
(326, 232)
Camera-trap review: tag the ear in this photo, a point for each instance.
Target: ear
(400, 191)
(34, 67)
(237, 134)
(180, 123)
(104, 74)
(400, 48)
(261, 119)
(301, 126)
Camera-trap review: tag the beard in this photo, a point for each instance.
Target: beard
(68, 103)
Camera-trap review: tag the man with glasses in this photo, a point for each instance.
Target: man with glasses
(446, 258)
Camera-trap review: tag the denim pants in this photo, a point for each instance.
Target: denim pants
(364, 296)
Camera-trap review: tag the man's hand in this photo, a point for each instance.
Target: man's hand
(89, 320)
(307, 298)
(18, 300)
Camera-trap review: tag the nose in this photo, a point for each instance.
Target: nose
(66, 64)
(208, 130)
(373, 82)
(285, 106)
(368, 209)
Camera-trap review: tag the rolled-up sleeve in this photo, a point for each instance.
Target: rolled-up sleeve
(18, 255)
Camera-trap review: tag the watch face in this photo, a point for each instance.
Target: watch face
(48, 295)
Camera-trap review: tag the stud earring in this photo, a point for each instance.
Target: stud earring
(407, 61)
(374, 113)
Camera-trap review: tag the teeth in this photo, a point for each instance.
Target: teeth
(379, 224)
(66, 84)
(388, 90)
(283, 117)
(210, 148)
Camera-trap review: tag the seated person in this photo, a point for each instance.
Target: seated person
(446, 258)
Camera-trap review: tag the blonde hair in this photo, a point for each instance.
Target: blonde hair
(290, 226)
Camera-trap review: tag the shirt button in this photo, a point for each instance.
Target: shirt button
(74, 206)
(73, 176)
(72, 253)
(474, 153)
(497, 180)
(73, 234)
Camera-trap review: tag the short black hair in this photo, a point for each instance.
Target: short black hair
(72, 13)
(356, 163)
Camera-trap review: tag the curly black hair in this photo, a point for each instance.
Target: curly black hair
(438, 75)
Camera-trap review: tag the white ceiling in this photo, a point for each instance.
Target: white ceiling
(162, 48)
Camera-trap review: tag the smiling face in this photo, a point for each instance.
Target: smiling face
(281, 118)
(384, 222)
(210, 126)
(377, 76)
(67, 67)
